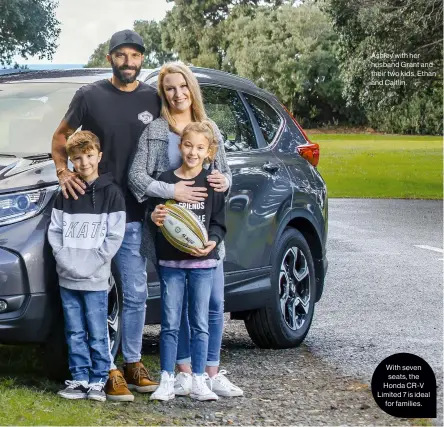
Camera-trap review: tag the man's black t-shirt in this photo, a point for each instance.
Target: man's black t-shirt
(118, 118)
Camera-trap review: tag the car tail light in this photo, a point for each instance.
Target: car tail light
(309, 151)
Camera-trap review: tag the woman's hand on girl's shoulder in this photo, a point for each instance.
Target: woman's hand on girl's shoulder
(218, 181)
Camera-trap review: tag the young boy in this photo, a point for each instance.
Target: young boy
(179, 271)
(84, 235)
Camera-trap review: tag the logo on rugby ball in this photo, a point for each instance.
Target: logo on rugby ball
(183, 229)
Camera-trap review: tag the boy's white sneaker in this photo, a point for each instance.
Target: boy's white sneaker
(165, 390)
(222, 386)
(200, 390)
(183, 384)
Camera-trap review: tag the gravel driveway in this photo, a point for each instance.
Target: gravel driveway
(357, 324)
(282, 387)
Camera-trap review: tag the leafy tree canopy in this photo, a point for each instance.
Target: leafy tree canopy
(215, 11)
(195, 29)
(98, 57)
(27, 28)
(370, 27)
(290, 51)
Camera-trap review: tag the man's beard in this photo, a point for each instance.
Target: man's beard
(117, 71)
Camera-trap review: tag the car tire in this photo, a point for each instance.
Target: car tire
(56, 350)
(286, 318)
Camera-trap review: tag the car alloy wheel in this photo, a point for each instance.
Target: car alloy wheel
(286, 317)
(294, 288)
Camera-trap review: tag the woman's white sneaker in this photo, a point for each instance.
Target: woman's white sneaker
(165, 391)
(222, 386)
(200, 390)
(183, 384)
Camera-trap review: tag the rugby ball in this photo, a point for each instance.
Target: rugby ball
(183, 229)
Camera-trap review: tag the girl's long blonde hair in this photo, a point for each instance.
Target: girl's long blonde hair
(197, 108)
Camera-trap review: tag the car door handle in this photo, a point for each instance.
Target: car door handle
(270, 167)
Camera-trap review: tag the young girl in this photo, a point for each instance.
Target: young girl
(179, 270)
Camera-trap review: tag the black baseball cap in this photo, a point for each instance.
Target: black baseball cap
(126, 37)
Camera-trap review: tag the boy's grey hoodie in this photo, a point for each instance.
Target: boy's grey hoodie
(86, 233)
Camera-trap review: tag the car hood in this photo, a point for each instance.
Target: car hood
(23, 173)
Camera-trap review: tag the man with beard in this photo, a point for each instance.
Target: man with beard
(117, 110)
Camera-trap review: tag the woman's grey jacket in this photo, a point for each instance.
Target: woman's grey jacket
(150, 161)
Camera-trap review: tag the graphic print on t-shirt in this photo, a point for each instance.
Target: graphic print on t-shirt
(197, 208)
(145, 117)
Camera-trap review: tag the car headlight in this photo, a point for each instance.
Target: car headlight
(15, 207)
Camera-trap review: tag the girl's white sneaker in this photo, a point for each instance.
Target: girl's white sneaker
(165, 391)
(200, 390)
(183, 384)
(222, 386)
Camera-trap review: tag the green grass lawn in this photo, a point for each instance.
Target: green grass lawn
(381, 166)
(28, 398)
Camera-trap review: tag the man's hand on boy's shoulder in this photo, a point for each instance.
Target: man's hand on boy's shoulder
(71, 184)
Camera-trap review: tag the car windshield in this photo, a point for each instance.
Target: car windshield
(30, 113)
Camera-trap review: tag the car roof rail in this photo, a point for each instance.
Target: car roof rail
(212, 71)
(235, 76)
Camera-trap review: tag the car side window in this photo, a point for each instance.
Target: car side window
(226, 108)
(267, 118)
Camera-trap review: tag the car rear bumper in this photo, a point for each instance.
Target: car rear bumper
(29, 319)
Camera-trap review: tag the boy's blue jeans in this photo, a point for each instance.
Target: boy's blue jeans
(86, 331)
(215, 326)
(173, 283)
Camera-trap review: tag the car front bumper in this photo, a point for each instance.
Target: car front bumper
(30, 322)
(28, 283)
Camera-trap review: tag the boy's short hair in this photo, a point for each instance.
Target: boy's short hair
(204, 127)
(84, 141)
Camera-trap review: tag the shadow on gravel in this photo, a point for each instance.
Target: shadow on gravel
(151, 336)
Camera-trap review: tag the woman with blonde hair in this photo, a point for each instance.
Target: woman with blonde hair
(158, 151)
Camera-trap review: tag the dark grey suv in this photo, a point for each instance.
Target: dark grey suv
(276, 212)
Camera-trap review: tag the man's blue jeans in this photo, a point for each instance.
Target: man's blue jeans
(173, 282)
(216, 324)
(132, 270)
(86, 331)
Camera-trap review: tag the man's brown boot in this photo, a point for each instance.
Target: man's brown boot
(136, 375)
(116, 388)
